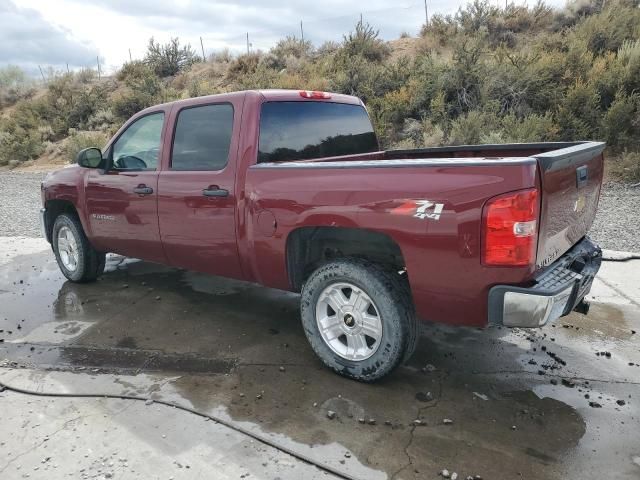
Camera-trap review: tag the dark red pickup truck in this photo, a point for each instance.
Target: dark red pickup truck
(290, 189)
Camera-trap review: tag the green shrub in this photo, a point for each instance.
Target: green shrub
(102, 120)
(483, 74)
(578, 113)
(14, 85)
(621, 123)
(606, 32)
(364, 42)
(246, 64)
(142, 89)
(80, 140)
(290, 47)
(532, 128)
(626, 167)
(169, 59)
(471, 128)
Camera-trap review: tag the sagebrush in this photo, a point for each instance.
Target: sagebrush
(484, 74)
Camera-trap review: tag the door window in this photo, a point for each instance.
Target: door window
(139, 145)
(202, 138)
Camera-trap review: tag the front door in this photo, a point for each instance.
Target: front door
(122, 208)
(196, 191)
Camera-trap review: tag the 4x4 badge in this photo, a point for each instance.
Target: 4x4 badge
(427, 209)
(420, 209)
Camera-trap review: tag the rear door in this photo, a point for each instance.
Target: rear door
(196, 191)
(571, 179)
(121, 202)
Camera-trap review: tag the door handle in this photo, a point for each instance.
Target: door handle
(215, 191)
(143, 190)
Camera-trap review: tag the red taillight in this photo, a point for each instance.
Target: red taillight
(511, 229)
(314, 94)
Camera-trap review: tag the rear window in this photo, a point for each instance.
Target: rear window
(306, 130)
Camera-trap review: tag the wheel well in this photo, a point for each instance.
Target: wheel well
(53, 209)
(310, 247)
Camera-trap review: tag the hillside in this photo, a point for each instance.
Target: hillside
(485, 74)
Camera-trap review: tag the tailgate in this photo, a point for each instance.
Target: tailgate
(570, 186)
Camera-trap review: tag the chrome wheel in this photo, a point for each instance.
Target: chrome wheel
(348, 321)
(68, 249)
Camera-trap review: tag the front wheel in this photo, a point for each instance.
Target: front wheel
(77, 259)
(358, 318)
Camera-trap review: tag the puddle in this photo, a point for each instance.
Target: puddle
(219, 344)
(112, 360)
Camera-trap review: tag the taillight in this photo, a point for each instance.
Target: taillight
(314, 94)
(510, 227)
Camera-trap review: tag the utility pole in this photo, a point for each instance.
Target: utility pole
(67, 67)
(247, 43)
(202, 46)
(130, 59)
(98, 62)
(40, 68)
(301, 32)
(361, 19)
(426, 13)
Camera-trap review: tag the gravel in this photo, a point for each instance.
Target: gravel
(19, 204)
(617, 225)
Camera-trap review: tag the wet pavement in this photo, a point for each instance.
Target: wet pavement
(560, 402)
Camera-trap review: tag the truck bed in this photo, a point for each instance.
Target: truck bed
(329, 192)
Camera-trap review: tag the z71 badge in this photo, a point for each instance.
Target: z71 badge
(420, 209)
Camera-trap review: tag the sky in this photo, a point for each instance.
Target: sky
(79, 33)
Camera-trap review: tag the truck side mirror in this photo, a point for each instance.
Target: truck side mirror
(89, 157)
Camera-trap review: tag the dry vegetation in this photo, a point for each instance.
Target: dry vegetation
(485, 74)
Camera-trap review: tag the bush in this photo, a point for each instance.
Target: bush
(243, 65)
(291, 47)
(470, 128)
(14, 85)
(578, 113)
(532, 128)
(142, 89)
(103, 120)
(364, 42)
(621, 123)
(80, 140)
(627, 167)
(169, 59)
(484, 74)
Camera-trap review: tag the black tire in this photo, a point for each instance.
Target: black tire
(388, 290)
(90, 264)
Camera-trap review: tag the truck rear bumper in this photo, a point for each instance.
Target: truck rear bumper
(554, 292)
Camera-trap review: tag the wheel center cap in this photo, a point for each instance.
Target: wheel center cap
(349, 321)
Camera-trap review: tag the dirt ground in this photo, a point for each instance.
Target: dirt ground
(544, 404)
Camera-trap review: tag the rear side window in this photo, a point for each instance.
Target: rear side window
(202, 138)
(306, 130)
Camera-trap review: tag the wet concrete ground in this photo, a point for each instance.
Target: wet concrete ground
(541, 404)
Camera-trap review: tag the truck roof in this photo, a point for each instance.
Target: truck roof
(269, 95)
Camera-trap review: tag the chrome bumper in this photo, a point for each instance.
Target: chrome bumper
(555, 292)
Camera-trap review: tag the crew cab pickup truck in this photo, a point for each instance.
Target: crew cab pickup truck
(290, 189)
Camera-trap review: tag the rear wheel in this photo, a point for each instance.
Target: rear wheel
(77, 259)
(358, 318)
